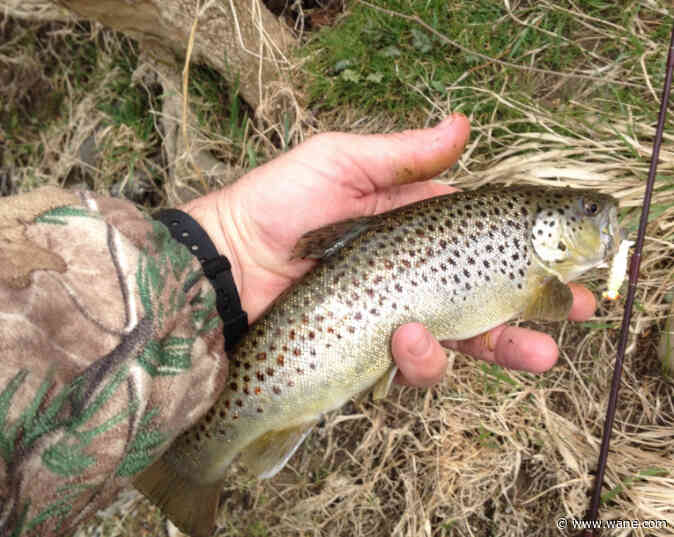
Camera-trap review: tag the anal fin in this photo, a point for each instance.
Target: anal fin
(270, 452)
(191, 506)
(551, 302)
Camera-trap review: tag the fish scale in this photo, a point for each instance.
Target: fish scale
(461, 264)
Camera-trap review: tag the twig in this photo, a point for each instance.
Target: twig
(635, 263)
(417, 20)
(186, 76)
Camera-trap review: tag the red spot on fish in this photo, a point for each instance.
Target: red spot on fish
(292, 334)
(312, 335)
(257, 390)
(290, 384)
(270, 372)
(261, 356)
(280, 360)
(297, 351)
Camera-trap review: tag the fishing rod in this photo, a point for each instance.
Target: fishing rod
(635, 263)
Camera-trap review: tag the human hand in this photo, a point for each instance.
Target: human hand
(257, 221)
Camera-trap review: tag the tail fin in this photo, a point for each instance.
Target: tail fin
(191, 506)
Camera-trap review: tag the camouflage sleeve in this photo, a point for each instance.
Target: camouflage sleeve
(110, 346)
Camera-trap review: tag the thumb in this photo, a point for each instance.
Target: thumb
(393, 159)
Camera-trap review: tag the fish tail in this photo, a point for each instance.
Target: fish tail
(191, 506)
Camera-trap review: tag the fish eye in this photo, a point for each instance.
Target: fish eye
(590, 208)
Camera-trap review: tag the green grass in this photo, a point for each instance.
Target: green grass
(125, 103)
(627, 483)
(34, 92)
(221, 111)
(381, 62)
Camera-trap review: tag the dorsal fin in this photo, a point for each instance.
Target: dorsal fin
(327, 240)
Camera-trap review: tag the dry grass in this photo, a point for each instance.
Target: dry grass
(488, 452)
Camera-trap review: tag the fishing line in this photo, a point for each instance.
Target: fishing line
(635, 263)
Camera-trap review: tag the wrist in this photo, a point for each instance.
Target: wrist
(207, 211)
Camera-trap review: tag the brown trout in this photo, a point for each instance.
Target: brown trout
(461, 264)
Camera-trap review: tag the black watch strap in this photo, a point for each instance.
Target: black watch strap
(217, 269)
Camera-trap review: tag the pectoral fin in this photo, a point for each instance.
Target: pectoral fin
(551, 302)
(265, 456)
(191, 506)
(383, 385)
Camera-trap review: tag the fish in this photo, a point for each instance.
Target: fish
(461, 264)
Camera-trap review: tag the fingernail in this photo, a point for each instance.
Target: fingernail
(421, 346)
